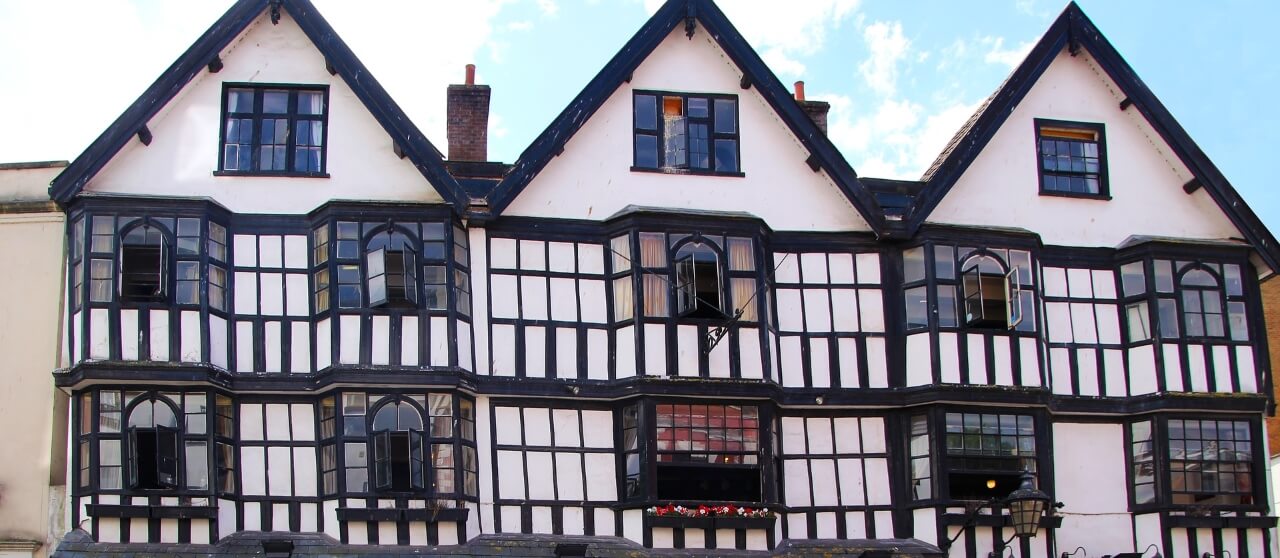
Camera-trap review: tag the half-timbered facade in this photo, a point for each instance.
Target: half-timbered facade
(287, 313)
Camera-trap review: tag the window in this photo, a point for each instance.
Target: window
(685, 276)
(391, 267)
(399, 443)
(699, 452)
(1192, 300)
(982, 455)
(686, 132)
(1202, 462)
(143, 258)
(979, 288)
(147, 441)
(1073, 158)
(274, 130)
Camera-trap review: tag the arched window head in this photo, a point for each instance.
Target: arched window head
(143, 264)
(990, 293)
(698, 286)
(391, 270)
(153, 445)
(1202, 305)
(398, 448)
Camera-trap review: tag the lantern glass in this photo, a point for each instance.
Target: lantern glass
(1026, 516)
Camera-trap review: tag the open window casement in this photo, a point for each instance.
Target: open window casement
(382, 460)
(376, 268)
(676, 145)
(144, 259)
(417, 465)
(698, 283)
(991, 296)
(153, 458)
(408, 288)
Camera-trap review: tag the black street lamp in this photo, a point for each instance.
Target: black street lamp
(1026, 507)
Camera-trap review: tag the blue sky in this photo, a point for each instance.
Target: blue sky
(901, 76)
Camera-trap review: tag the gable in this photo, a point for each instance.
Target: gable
(592, 178)
(1001, 185)
(185, 136)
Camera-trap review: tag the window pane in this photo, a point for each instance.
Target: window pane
(1168, 318)
(1139, 321)
(726, 155)
(620, 246)
(240, 100)
(1239, 327)
(275, 102)
(197, 465)
(623, 299)
(913, 265)
(947, 306)
(653, 250)
(1164, 276)
(646, 112)
(917, 307)
(310, 102)
(726, 116)
(646, 151)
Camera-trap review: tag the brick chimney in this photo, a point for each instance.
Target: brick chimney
(817, 110)
(468, 114)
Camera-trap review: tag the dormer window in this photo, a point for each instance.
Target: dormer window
(682, 132)
(1072, 159)
(274, 130)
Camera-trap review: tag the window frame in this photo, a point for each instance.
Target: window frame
(939, 460)
(1158, 290)
(712, 136)
(257, 117)
(335, 431)
(647, 451)
(641, 277)
(1163, 500)
(1097, 128)
(1025, 289)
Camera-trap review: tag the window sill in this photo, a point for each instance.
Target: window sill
(403, 514)
(159, 512)
(710, 523)
(668, 170)
(1220, 522)
(1098, 197)
(272, 174)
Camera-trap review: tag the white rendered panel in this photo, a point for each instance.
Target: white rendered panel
(1104, 284)
(792, 363)
(246, 292)
(1223, 376)
(1142, 370)
(409, 341)
(786, 267)
(440, 340)
(852, 486)
(537, 426)
(1116, 378)
(295, 251)
(594, 302)
(533, 297)
(564, 300)
(560, 257)
(245, 247)
(541, 476)
(566, 353)
(324, 345)
(873, 440)
(100, 335)
(504, 350)
(848, 349)
(813, 268)
(270, 251)
(597, 354)
(601, 485)
(590, 258)
(271, 293)
(381, 342)
(190, 339)
(790, 312)
(977, 352)
(597, 429)
(819, 362)
(877, 363)
(253, 474)
(533, 255)
(749, 357)
(507, 422)
(297, 295)
(505, 296)
(279, 471)
(129, 336)
(844, 310)
(1079, 283)
(510, 475)
(687, 354)
(1196, 364)
(349, 339)
(817, 310)
(1087, 368)
(218, 342)
(718, 360)
(569, 484)
(625, 361)
(244, 346)
(1060, 369)
(273, 348)
(949, 357)
(871, 310)
(502, 254)
(655, 351)
(535, 351)
(1029, 359)
(920, 360)
(1246, 372)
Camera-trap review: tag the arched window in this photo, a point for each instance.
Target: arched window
(153, 445)
(391, 270)
(990, 293)
(398, 447)
(1202, 309)
(144, 258)
(697, 287)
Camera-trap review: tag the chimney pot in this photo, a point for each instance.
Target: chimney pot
(799, 90)
(468, 119)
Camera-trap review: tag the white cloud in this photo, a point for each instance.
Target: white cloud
(549, 8)
(785, 32)
(497, 126)
(888, 47)
(1000, 55)
(520, 26)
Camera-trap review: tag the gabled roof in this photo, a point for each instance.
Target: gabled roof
(207, 49)
(1075, 31)
(688, 13)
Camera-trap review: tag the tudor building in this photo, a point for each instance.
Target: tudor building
(287, 313)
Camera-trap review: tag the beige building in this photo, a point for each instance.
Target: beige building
(34, 429)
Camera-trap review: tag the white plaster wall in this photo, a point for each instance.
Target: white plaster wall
(184, 152)
(1093, 487)
(28, 185)
(592, 178)
(1145, 178)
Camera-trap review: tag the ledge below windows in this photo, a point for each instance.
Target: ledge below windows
(1220, 522)
(403, 514)
(273, 174)
(157, 512)
(710, 523)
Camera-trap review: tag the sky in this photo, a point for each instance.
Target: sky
(901, 76)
